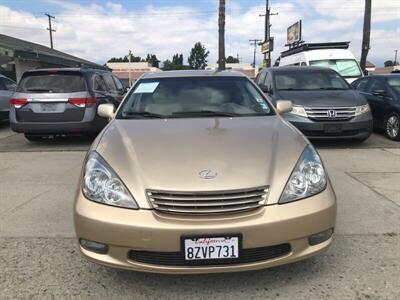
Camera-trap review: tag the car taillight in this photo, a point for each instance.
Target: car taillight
(81, 102)
(18, 102)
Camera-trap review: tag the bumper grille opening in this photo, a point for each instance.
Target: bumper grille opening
(208, 202)
(330, 113)
(178, 259)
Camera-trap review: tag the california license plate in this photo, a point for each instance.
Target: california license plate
(209, 248)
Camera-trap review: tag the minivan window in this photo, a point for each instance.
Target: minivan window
(194, 97)
(309, 80)
(109, 81)
(394, 82)
(57, 82)
(9, 84)
(345, 67)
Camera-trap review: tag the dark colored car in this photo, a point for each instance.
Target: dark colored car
(325, 105)
(7, 89)
(62, 101)
(383, 95)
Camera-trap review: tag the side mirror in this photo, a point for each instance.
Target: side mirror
(283, 106)
(106, 110)
(379, 92)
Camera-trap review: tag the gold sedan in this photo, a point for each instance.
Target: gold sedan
(197, 172)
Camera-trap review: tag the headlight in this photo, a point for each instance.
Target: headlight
(101, 184)
(308, 177)
(362, 109)
(299, 111)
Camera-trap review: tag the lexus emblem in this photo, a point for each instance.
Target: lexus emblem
(331, 113)
(208, 174)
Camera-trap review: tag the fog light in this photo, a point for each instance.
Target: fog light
(94, 246)
(320, 237)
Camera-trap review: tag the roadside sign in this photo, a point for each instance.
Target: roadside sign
(294, 33)
(267, 46)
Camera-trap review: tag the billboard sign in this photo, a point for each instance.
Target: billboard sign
(267, 46)
(294, 33)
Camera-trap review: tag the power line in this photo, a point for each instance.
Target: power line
(50, 30)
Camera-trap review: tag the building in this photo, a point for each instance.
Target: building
(246, 69)
(18, 56)
(135, 69)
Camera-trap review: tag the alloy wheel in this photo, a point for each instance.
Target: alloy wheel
(393, 126)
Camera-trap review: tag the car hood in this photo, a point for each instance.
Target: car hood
(323, 98)
(168, 154)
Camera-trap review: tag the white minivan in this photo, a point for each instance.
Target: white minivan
(336, 56)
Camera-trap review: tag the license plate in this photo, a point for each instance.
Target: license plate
(208, 248)
(331, 128)
(49, 107)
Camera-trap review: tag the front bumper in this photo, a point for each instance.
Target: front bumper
(124, 230)
(358, 128)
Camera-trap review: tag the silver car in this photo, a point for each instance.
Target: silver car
(7, 88)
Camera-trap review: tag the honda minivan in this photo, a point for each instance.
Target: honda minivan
(62, 101)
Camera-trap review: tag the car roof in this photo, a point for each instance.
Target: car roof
(192, 73)
(297, 69)
(383, 75)
(86, 70)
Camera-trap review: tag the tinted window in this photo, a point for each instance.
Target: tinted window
(195, 97)
(118, 83)
(268, 82)
(361, 84)
(345, 67)
(8, 84)
(261, 77)
(58, 82)
(376, 85)
(99, 84)
(394, 82)
(309, 80)
(109, 81)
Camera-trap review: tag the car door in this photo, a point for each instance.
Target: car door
(101, 90)
(378, 99)
(7, 88)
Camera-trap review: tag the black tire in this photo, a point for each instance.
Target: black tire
(33, 137)
(392, 126)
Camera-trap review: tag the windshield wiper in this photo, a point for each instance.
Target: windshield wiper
(38, 90)
(142, 114)
(332, 88)
(207, 113)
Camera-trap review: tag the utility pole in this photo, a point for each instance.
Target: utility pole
(267, 30)
(366, 35)
(221, 35)
(130, 68)
(395, 57)
(255, 43)
(50, 29)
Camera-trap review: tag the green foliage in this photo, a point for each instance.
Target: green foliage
(198, 57)
(126, 59)
(152, 59)
(231, 60)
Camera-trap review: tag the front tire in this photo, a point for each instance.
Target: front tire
(33, 137)
(392, 126)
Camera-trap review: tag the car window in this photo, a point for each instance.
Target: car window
(268, 82)
(109, 81)
(8, 84)
(53, 82)
(345, 67)
(311, 79)
(99, 84)
(195, 97)
(261, 78)
(375, 85)
(394, 82)
(118, 83)
(361, 84)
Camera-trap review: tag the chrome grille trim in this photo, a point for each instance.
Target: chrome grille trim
(321, 113)
(208, 202)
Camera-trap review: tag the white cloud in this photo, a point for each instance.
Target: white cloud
(98, 32)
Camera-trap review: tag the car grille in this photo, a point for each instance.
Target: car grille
(330, 113)
(178, 259)
(208, 202)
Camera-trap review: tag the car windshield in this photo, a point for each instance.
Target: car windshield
(52, 82)
(194, 97)
(345, 67)
(309, 80)
(394, 82)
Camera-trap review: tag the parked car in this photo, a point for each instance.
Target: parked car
(62, 101)
(383, 95)
(336, 56)
(198, 173)
(7, 89)
(325, 105)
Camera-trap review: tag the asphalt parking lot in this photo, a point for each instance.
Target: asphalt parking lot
(39, 256)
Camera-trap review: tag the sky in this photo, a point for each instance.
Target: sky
(98, 30)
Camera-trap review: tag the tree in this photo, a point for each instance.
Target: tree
(177, 59)
(152, 59)
(232, 60)
(389, 63)
(125, 59)
(198, 56)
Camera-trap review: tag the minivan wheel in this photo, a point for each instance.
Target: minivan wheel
(392, 126)
(33, 137)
